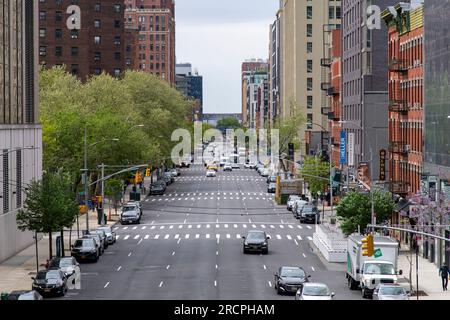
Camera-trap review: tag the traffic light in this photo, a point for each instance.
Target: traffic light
(367, 246)
(138, 177)
(147, 172)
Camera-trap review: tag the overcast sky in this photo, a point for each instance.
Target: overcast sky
(216, 36)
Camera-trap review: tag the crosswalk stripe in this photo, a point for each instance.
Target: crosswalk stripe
(281, 226)
(309, 238)
(153, 227)
(144, 227)
(207, 226)
(309, 227)
(146, 236)
(272, 226)
(162, 227)
(299, 237)
(226, 226)
(197, 236)
(124, 228)
(167, 236)
(235, 225)
(170, 227)
(177, 236)
(190, 226)
(253, 226)
(157, 236)
(238, 236)
(136, 237)
(116, 228)
(228, 236)
(299, 226)
(180, 226)
(278, 237)
(289, 237)
(199, 226)
(263, 226)
(207, 236)
(126, 237)
(186, 236)
(290, 226)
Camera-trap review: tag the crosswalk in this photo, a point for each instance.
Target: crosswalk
(223, 178)
(203, 236)
(193, 196)
(222, 225)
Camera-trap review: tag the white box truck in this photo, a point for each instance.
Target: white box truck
(367, 272)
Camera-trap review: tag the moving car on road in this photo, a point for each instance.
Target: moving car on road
(235, 165)
(227, 167)
(212, 167)
(290, 279)
(314, 291)
(174, 172)
(211, 173)
(50, 282)
(256, 241)
(110, 234)
(85, 249)
(291, 201)
(390, 292)
(265, 172)
(168, 178)
(135, 204)
(68, 265)
(272, 187)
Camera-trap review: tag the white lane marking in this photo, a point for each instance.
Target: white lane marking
(162, 227)
(282, 221)
(215, 283)
(186, 236)
(181, 226)
(253, 226)
(139, 242)
(124, 228)
(190, 226)
(146, 236)
(207, 236)
(198, 226)
(161, 284)
(168, 266)
(299, 226)
(309, 238)
(107, 284)
(177, 236)
(299, 237)
(217, 267)
(244, 225)
(207, 226)
(170, 227)
(166, 236)
(226, 226)
(313, 268)
(309, 227)
(152, 228)
(278, 237)
(217, 226)
(263, 226)
(118, 269)
(157, 236)
(270, 284)
(126, 237)
(289, 237)
(296, 243)
(197, 236)
(235, 225)
(290, 226)
(136, 237)
(281, 226)
(264, 266)
(134, 228)
(178, 242)
(129, 254)
(173, 253)
(273, 227)
(304, 255)
(144, 227)
(217, 253)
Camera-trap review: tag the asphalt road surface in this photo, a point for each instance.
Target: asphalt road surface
(189, 245)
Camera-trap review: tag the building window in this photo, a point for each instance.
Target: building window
(117, 72)
(309, 102)
(128, 48)
(338, 15)
(309, 66)
(309, 12)
(58, 16)
(309, 121)
(5, 181)
(74, 69)
(74, 34)
(42, 51)
(128, 61)
(58, 2)
(97, 39)
(97, 23)
(309, 30)
(58, 33)
(117, 55)
(117, 8)
(19, 178)
(116, 23)
(42, 15)
(97, 7)
(97, 71)
(330, 12)
(97, 56)
(117, 40)
(42, 32)
(58, 51)
(74, 51)
(309, 84)
(309, 47)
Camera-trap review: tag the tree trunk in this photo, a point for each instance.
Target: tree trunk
(62, 242)
(50, 245)
(70, 238)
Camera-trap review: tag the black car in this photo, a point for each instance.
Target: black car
(272, 187)
(129, 217)
(50, 282)
(85, 249)
(309, 214)
(297, 208)
(157, 188)
(290, 279)
(256, 241)
(168, 178)
(98, 241)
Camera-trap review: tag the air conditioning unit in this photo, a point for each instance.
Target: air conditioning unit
(407, 148)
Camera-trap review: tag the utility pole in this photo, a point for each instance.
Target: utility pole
(86, 178)
(103, 195)
(330, 150)
(372, 187)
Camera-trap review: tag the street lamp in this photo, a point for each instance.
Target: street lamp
(330, 161)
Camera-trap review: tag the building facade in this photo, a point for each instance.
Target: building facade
(255, 93)
(191, 85)
(405, 99)
(86, 36)
(302, 25)
(274, 69)
(154, 50)
(20, 132)
(365, 88)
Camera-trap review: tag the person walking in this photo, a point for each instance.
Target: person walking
(444, 273)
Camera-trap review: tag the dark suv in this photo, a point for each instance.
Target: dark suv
(309, 214)
(85, 249)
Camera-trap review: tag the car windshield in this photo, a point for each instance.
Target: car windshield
(392, 291)
(316, 291)
(129, 214)
(379, 268)
(293, 198)
(292, 273)
(106, 229)
(66, 262)
(84, 243)
(308, 209)
(128, 208)
(256, 236)
(53, 274)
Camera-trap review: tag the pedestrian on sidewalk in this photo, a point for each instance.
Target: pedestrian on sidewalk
(444, 273)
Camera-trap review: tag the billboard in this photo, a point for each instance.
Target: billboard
(343, 148)
(351, 149)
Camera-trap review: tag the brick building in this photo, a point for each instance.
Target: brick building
(95, 46)
(405, 98)
(154, 50)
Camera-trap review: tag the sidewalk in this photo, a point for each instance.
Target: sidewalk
(16, 272)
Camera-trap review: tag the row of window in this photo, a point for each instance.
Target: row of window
(74, 69)
(142, 56)
(154, 47)
(74, 53)
(74, 34)
(333, 12)
(97, 8)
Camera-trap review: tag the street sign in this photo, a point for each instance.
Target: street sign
(377, 253)
(351, 149)
(343, 148)
(382, 165)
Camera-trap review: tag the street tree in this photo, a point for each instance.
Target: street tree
(355, 210)
(228, 123)
(316, 173)
(49, 206)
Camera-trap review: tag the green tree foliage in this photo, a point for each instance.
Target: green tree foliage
(49, 206)
(316, 173)
(355, 210)
(228, 123)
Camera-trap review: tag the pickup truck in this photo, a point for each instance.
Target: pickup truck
(367, 272)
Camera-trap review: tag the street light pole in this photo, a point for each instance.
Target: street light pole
(86, 178)
(103, 195)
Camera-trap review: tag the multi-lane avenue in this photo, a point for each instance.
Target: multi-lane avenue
(189, 245)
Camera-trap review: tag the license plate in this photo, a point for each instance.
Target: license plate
(82, 257)
(47, 290)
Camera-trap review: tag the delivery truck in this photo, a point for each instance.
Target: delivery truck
(367, 272)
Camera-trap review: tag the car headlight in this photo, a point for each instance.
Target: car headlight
(264, 243)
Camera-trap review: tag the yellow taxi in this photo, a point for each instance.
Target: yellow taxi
(212, 167)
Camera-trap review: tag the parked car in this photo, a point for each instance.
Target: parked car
(24, 295)
(68, 265)
(271, 178)
(249, 165)
(256, 241)
(110, 234)
(175, 173)
(130, 216)
(210, 173)
(235, 166)
(157, 188)
(136, 204)
(390, 292)
(265, 172)
(309, 214)
(227, 167)
(102, 235)
(291, 201)
(297, 208)
(314, 291)
(168, 178)
(99, 241)
(50, 282)
(272, 187)
(290, 279)
(85, 249)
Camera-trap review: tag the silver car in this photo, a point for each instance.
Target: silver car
(390, 292)
(314, 291)
(110, 234)
(291, 201)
